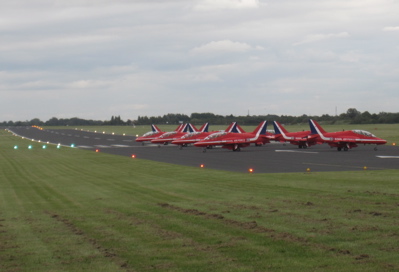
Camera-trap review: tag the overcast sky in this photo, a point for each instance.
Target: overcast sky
(97, 58)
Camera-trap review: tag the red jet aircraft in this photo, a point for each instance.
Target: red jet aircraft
(194, 137)
(168, 137)
(296, 138)
(148, 136)
(235, 141)
(153, 134)
(343, 139)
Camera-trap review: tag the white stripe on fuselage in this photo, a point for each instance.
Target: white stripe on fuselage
(258, 133)
(282, 133)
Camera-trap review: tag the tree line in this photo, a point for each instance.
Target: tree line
(352, 116)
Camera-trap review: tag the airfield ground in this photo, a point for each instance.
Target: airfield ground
(270, 158)
(72, 209)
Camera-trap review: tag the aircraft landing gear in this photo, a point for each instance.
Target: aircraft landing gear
(375, 148)
(236, 148)
(204, 150)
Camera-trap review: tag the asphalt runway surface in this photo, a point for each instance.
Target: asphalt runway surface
(270, 158)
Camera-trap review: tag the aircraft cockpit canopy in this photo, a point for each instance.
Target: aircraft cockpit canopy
(190, 135)
(149, 133)
(364, 133)
(168, 134)
(215, 135)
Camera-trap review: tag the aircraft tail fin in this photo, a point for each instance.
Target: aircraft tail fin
(228, 129)
(204, 127)
(190, 128)
(187, 128)
(235, 128)
(154, 128)
(238, 129)
(261, 129)
(179, 128)
(278, 128)
(315, 128)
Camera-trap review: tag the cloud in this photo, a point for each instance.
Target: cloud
(57, 42)
(320, 37)
(391, 28)
(97, 58)
(127, 107)
(224, 46)
(206, 5)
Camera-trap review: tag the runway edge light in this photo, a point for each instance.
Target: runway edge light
(133, 156)
(251, 170)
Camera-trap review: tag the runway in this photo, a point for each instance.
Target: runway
(270, 158)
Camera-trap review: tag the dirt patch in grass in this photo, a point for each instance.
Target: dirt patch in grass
(106, 252)
(253, 226)
(8, 261)
(192, 248)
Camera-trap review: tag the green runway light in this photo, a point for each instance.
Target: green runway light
(44, 146)
(29, 147)
(15, 147)
(58, 146)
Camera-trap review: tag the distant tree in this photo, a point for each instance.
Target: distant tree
(52, 122)
(35, 122)
(352, 113)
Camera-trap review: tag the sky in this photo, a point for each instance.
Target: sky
(94, 59)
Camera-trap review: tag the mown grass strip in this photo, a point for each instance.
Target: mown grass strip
(72, 210)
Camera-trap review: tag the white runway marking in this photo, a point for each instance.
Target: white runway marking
(110, 139)
(103, 146)
(388, 157)
(294, 151)
(84, 146)
(118, 145)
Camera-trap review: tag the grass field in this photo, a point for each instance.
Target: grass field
(73, 210)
